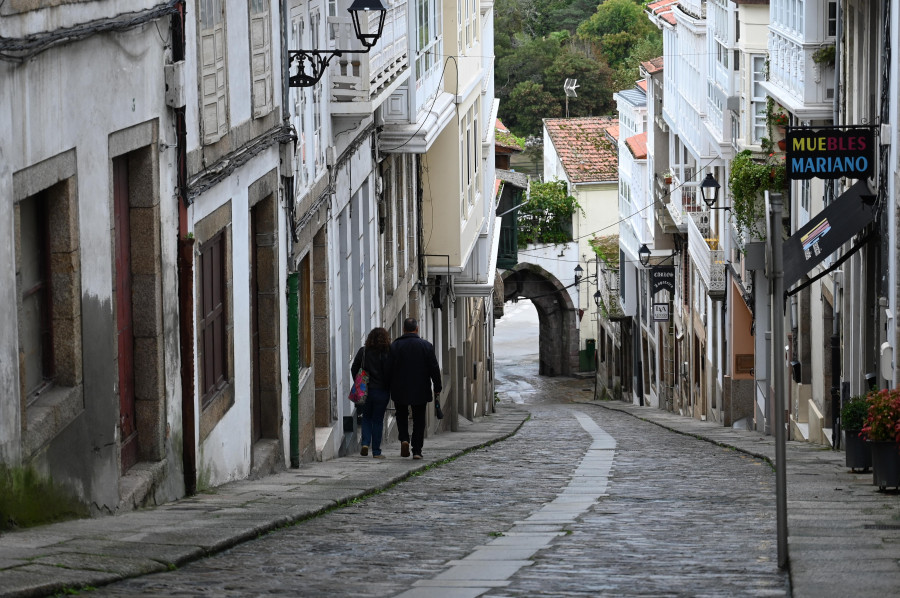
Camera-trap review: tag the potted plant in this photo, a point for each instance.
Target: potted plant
(749, 177)
(882, 431)
(824, 55)
(667, 177)
(853, 418)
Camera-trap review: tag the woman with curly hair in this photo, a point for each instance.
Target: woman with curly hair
(375, 358)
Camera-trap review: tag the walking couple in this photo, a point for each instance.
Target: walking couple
(405, 371)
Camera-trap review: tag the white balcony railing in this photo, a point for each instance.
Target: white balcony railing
(709, 262)
(793, 71)
(360, 78)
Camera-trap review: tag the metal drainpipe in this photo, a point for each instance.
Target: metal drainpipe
(294, 365)
(185, 267)
(836, 321)
(293, 306)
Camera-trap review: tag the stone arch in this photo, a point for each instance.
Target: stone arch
(558, 334)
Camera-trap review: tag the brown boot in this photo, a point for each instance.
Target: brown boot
(404, 449)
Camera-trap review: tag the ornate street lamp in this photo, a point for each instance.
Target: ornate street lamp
(311, 64)
(598, 298)
(644, 255)
(709, 188)
(578, 272)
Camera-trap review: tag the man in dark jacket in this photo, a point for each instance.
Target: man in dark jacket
(415, 372)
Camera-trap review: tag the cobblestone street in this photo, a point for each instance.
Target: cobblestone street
(679, 516)
(668, 526)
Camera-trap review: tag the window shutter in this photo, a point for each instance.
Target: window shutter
(261, 62)
(213, 77)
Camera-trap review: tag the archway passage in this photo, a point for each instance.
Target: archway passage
(558, 335)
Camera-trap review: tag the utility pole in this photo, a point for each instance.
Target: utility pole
(775, 203)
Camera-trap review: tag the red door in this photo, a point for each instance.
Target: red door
(127, 426)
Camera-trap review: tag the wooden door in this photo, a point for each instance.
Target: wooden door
(255, 402)
(127, 427)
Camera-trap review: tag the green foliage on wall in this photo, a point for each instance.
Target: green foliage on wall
(749, 179)
(547, 216)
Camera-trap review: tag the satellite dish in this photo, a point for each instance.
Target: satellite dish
(569, 87)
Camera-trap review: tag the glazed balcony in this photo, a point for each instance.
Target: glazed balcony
(362, 82)
(708, 258)
(795, 79)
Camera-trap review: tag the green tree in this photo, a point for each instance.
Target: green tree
(594, 82)
(527, 63)
(643, 50)
(527, 106)
(615, 28)
(547, 215)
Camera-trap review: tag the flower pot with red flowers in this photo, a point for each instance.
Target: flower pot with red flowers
(858, 456)
(882, 431)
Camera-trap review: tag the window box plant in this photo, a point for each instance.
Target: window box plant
(825, 55)
(853, 418)
(882, 431)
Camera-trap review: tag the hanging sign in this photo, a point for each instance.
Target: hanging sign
(827, 231)
(660, 312)
(662, 278)
(830, 153)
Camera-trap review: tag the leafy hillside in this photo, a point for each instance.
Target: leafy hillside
(541, 43)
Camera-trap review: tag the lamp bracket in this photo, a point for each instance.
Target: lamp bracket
(311, 64)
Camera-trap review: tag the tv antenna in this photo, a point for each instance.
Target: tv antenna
(569, 87)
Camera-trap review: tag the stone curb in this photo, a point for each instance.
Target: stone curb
(93, 552)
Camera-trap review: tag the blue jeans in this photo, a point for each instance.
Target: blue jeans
(373, 419)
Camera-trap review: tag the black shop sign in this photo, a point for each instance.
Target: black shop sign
(662, 278)
(830, 153)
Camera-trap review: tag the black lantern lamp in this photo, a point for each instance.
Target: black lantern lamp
(709, 188)
(368, 40)
(578, 272)
(311, 64)
(644, 255)
(598, 298)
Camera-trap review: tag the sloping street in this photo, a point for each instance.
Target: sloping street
(581, 501)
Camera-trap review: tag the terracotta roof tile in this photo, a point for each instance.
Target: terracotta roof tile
(586, 153)
(642, 84)
(637, 145)
(660, 6)
(500, 126)
(654, 65)
(613, 133)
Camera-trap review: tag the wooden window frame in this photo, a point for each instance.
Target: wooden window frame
(213, 313)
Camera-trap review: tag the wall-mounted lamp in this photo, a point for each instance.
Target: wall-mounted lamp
(578, 273)
(644, 255)
(311, 64)
(598, 298)
(709, 189)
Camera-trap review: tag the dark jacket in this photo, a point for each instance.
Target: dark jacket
(415, 370)
(378, 365)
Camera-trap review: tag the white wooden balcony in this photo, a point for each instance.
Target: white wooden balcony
(795, 79)
(362, 82)
(708, 258)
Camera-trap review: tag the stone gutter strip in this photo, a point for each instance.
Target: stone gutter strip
(93, 552)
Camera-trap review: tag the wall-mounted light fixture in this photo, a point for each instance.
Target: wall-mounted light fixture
(598, 298)
(311, 64)
(709, 189)
(579, 271)
(644, 255)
